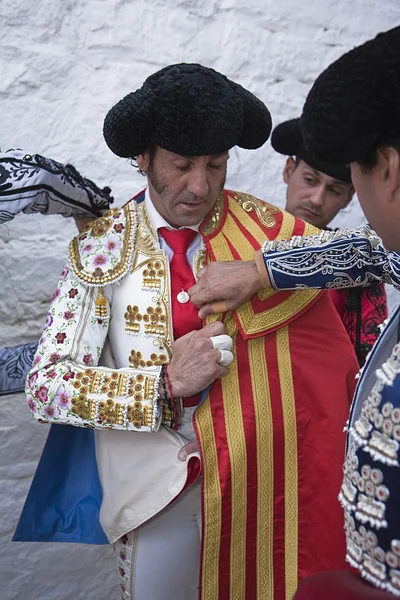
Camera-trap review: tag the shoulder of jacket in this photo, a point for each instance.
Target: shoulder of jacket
(103, 252)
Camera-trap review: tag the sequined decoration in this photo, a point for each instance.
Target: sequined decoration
(155, 321)
(132, 319)
(152, 275)
(111, 385)
(101, 305)
(136, 360)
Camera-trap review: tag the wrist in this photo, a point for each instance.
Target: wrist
(260, 270)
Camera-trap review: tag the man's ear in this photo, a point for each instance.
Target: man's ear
(350, 196)
(288, 170)
(388, 161)
(143, 161)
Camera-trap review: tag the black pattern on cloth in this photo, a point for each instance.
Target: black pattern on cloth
(34, 184)
(14, 366)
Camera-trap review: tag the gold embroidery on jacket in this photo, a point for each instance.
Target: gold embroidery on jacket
(265, 211)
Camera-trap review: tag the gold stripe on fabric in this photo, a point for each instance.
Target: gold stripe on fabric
(238, 458)
(287, 226)
(291, 468)
(310, 230)
(237, 238)
(220, 248)
(265, 469)
(251, 226)
(273, 317)
(212, 508)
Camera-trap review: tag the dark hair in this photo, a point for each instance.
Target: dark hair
(370, 159)
(151, 151)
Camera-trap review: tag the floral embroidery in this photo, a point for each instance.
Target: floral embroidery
(72, 293)
(124, 551)
(87, 359)
(60, 337)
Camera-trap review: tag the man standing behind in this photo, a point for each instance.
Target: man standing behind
(269, 428)
(316, 192)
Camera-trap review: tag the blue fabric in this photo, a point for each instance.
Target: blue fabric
(64, 500)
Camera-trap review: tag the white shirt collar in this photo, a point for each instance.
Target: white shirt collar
(157, 220)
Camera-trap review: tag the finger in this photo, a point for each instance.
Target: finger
(213, 329)
(188, 449)
(218, 306)
(201, 272)
(221, 342)
(199, 296)
(221, 372)
(205, 310)
(226, 358)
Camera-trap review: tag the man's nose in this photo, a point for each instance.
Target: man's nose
(197, 182)
(317, 196)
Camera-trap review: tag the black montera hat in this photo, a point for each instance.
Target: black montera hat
(187, 109)
(354, 105)
(286, 139)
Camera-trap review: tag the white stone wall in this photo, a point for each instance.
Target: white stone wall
(64, 63)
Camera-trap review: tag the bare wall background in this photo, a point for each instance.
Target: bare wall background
(64, 63)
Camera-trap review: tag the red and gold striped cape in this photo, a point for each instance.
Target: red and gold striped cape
(271, 431)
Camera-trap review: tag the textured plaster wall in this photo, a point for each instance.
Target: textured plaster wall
(63, 64)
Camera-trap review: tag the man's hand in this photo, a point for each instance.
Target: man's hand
(188, 448)
(235, 282)
(195, 363)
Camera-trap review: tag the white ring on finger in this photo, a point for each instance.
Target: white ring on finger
(226, 358)
(221, 342)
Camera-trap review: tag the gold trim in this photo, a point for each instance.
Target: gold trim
(265, 468)
(265, 211)
(291, 467)
(212, 222)
(287, 227)
(116, 272)
(212, 497)
(237, 454)
(271, 318)
(311, 230)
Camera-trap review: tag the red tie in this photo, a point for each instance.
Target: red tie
(184, 315)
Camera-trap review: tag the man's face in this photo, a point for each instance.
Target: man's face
(312, 195)
(183, 188)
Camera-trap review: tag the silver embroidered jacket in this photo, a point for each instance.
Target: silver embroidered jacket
(332, 259)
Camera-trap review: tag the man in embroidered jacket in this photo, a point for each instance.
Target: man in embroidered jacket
(353, 114)
(263, 426)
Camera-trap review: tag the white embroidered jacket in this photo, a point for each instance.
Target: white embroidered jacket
(111, 308)
(115, 289)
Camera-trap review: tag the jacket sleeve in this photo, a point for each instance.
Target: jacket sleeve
(66, 385)
(32, 183)
(338, 259)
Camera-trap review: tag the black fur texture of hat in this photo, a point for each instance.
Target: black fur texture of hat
(187, 109)
(286, 139)
(354, 105)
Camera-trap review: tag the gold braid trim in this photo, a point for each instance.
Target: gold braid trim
(123, 222)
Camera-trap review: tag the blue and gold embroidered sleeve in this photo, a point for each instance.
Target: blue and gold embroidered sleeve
(332, 259)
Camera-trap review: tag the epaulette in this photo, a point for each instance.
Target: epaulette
(103, 253)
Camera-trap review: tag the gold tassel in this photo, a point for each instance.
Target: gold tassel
(101, 305)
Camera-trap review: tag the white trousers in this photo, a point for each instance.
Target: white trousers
(161, 559)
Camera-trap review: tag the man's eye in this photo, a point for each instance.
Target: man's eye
(182, 168)
(215, 167)
(309, 180)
